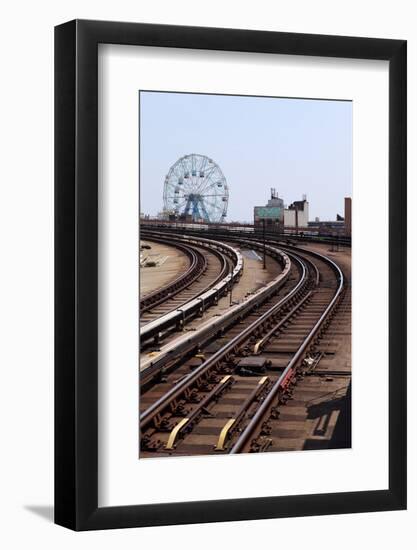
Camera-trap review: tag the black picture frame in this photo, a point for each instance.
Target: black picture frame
(76, 272)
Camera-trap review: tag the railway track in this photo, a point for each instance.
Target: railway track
(220, 232)
(226, 397)
(197, 265)
(207, 266)
(171, 347)
(214, 268)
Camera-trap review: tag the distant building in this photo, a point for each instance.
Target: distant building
(163, 215)
(174, 217)
(340, 226)
(329, 227)
(335, 227)
(296, 215)
(348, 216)
(272, 214)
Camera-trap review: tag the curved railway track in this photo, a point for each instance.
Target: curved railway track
(171, 347)
(222, 267)
(197, 265)
(225, 398)
(207, 266)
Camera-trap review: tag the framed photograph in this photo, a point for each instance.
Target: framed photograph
(230, 252)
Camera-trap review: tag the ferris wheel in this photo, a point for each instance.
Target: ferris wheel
(195, 186)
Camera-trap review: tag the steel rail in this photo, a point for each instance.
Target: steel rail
(219, 232)
(172, 351)
(186, 423)
(220, 250)
(180, 315)
(221, 255)
(197, 266)
(179, 389)
(263, 412)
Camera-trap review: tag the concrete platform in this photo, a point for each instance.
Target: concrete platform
(170, 263)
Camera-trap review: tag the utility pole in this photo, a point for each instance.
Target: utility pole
(263, 224)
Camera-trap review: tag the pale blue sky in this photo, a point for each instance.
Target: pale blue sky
(295, 145)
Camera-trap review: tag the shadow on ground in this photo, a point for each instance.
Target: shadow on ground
(45, 512)
(342, 434)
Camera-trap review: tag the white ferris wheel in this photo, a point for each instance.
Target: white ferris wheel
(195, 186)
